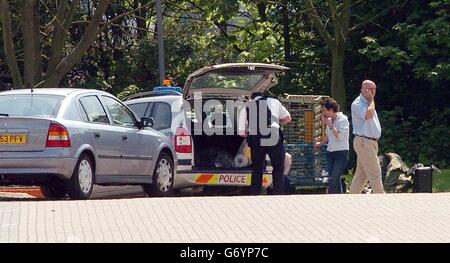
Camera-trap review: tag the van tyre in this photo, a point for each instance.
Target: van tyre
(163, 176)
(55, 190)
(80, 185)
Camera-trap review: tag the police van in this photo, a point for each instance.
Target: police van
(164, 105)
(202, 120)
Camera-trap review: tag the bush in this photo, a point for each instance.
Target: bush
(415, 140)
(130, 90)
(435, 143)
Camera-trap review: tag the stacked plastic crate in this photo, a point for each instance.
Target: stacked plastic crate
(308, 163)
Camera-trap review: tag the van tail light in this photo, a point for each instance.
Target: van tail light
(57, 136)
(182, 141)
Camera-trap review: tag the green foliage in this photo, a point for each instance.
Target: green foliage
(395, 57)
(435, 139)
(130, 90)
(415, 140)
(429, 42)
(397, 134)
(426, 44)
(404, 49)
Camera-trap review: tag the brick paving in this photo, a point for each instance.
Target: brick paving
(99, 192)
(294, 218)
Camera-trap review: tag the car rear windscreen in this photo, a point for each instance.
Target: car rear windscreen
(30, 105)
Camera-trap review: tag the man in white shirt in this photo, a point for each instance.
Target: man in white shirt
(367, 131)
(260, 123)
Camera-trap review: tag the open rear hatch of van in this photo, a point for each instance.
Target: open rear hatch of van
(214, 155)
(234, 79)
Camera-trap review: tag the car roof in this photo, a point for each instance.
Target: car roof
(163, 98)
(51, 91)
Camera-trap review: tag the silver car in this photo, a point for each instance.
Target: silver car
(66, 140)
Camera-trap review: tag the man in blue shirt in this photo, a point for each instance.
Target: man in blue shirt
(367, 131)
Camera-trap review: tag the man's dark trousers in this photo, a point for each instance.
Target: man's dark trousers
(276, 154)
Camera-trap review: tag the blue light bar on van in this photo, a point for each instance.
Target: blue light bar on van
(165, 90)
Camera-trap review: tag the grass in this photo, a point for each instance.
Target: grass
(441, 181)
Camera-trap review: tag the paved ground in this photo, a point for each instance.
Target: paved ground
(109, 192)
(99, 192)
(300, 218)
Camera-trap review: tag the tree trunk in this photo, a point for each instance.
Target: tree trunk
(286, 32)
(287, 78)
(337, 75)
(28, 43)
(140, 21)
(38, 66)
(340, 21)
(59, 36)
(10, 52)
(78, 52)
(262, 6)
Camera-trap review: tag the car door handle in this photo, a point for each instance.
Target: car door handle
(124, 138)
(97, 135)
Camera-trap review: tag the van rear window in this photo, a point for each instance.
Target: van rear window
(139, 108)
(30, 105)
(227, 81)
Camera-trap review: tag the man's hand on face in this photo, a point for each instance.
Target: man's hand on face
(367, 93)
(373, 92)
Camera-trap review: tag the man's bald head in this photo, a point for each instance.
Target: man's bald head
(368, 89)
(368, 84)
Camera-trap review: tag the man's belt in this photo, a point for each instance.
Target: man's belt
(362, 136)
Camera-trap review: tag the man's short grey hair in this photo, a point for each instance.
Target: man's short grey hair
(368, 82)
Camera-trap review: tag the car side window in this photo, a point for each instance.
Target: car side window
(162, 115)
(139, 108)
(120, 114)
(93, 109)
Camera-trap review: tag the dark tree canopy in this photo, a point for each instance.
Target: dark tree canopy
(331, 46)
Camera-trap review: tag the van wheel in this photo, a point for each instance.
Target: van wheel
(55, 190)
(162, 185)
(80, 186)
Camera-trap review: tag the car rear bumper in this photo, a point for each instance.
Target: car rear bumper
(190, 178)
(19, 169)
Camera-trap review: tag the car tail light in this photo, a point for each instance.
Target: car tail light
(182, 141)
(57, 136)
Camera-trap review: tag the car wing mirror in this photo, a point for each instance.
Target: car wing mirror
(146, 122)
